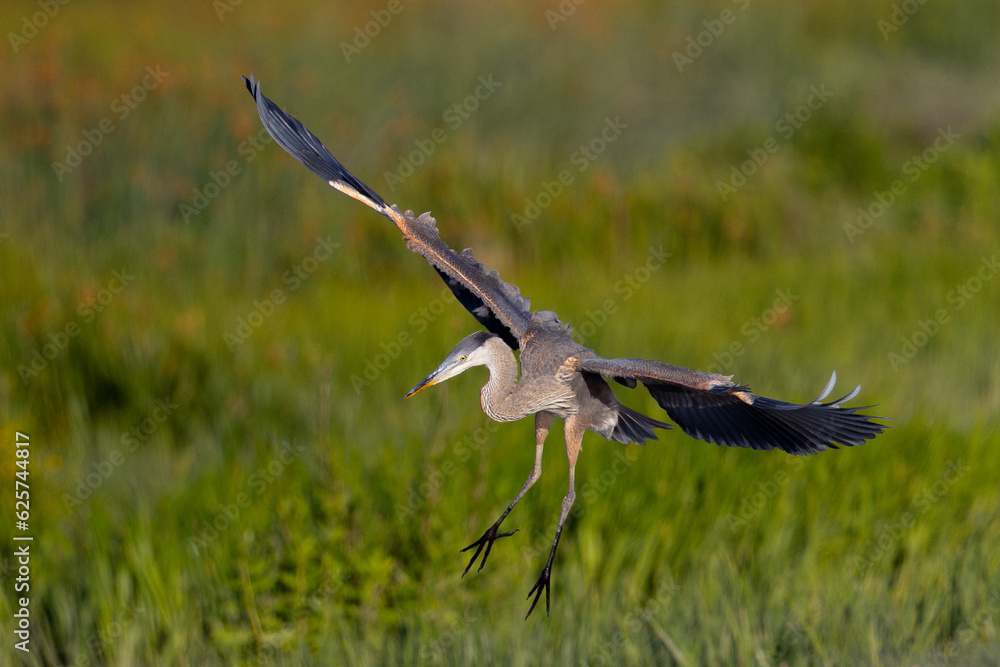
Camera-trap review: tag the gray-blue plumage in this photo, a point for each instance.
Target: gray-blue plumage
(560, 379)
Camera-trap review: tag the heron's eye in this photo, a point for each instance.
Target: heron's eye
(462, 358)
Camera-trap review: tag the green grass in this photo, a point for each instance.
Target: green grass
(338, 508)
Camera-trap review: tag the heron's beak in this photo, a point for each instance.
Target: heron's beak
(439, 374)
(423, 384)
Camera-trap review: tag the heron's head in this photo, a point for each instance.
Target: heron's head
(470, 351)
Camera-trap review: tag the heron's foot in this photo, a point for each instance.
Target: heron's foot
(540, 585)
(486, 540)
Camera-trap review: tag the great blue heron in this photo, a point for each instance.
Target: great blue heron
(559, 378)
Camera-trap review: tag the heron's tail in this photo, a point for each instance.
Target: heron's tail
(635, 427)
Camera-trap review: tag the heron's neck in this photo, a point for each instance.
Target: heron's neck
(496, 393)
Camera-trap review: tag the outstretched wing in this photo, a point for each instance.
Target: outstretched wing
(713, 408)
(497, 305)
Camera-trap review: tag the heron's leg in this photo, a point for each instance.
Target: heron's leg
(574, 440)
(543, 420)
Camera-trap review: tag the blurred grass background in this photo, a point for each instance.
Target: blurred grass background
(278, 502)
